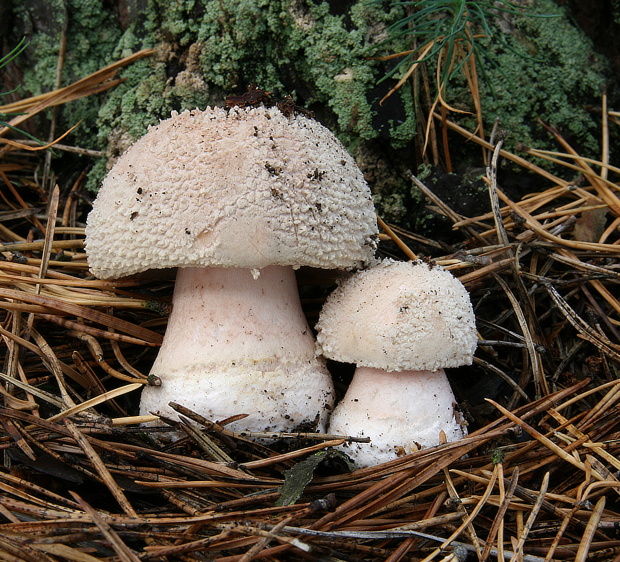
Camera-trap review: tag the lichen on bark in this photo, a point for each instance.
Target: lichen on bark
(317, 51)
(206, 50)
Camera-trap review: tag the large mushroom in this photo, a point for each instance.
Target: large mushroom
(236, 200)
(401, 323)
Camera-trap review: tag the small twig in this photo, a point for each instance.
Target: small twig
(467, 521)
(66, 148)
(497, 528)
(502, 236)
(542, 439)
(86, 313)
(406, 250)
(41, 245)
(568, 517)
(98, 355)
(55, 367)
(454, 497)
(101, 469)
(34, 391)
(518, 553)
(387, 535)
(292, 455)
(59, 67)
(578, 323)
(588, 534)
(216, 453)
(121, 549)
(537, 370)
(111, 394)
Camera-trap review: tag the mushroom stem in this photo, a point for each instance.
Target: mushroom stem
(239, 345)
(400, 412)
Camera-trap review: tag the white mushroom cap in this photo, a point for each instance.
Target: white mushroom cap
(232, 188)
(399, 316)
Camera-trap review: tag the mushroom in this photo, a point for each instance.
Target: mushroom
(236, 200)
(401, 323)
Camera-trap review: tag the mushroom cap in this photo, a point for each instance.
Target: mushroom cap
(399, 316)
(244, 187)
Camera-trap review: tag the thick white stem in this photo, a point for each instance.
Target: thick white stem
(400, 412)
(239, 345)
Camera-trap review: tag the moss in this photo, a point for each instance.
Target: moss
(616, 10)
(315, 50)
(91, 34)
(550, 73)
(207, 49)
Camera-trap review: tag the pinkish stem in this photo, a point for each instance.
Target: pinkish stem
(239, 345)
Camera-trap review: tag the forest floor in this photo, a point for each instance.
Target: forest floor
(537, 478)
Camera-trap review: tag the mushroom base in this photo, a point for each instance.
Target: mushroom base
(401, 412)
(278, 398)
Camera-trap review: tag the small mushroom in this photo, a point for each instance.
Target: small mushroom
(236, 200)
(401, 323)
